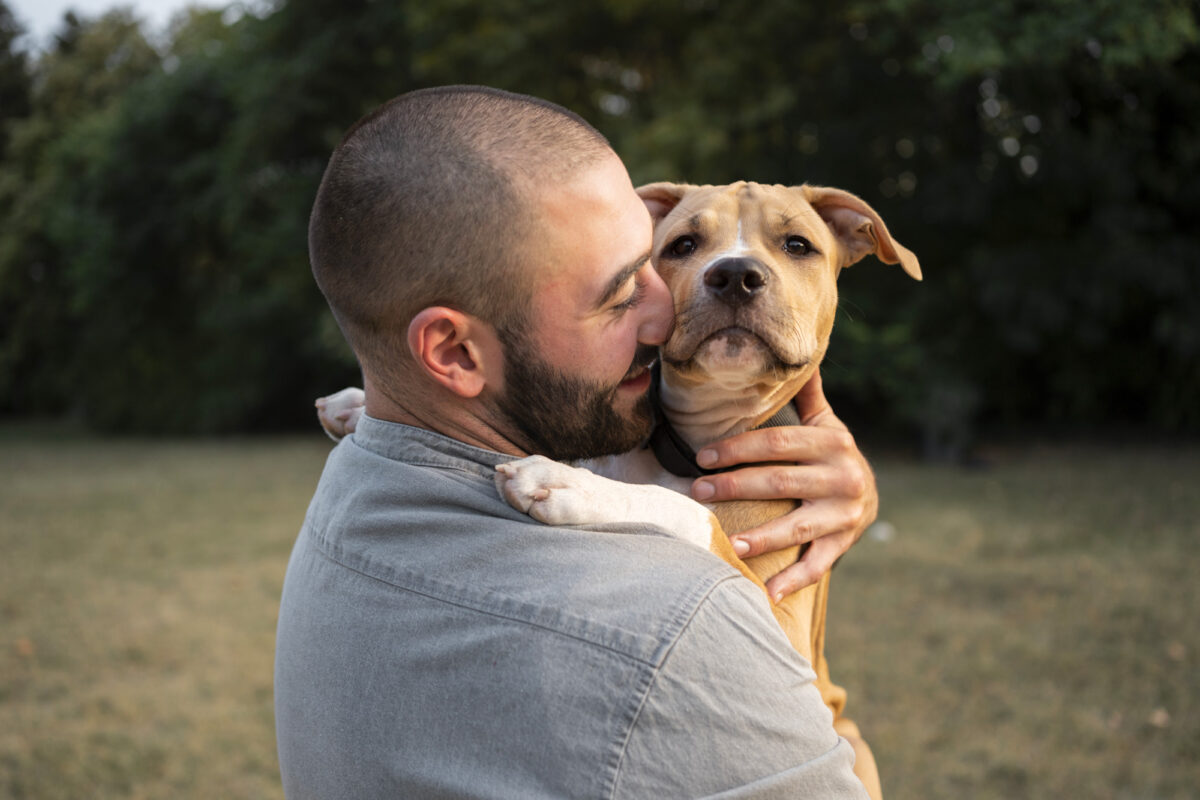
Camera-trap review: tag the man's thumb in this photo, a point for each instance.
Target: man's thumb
(811, 404)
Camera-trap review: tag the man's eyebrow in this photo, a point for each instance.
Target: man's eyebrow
(619, 280)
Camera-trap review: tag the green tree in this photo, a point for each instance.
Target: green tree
(1063, 210)
(1036, 157)
(15, 80)
(73, 86)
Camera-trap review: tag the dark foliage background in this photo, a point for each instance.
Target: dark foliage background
(1043, 160)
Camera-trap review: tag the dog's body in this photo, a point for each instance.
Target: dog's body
(753, 272)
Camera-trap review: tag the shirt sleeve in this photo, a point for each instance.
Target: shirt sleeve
(733, 713)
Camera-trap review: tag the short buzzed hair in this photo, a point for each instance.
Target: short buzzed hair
(429, 200)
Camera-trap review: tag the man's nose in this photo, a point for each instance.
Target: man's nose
(659, 310)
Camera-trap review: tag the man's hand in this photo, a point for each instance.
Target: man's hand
(830, 475)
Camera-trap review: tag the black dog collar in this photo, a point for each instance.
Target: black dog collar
(674, 454)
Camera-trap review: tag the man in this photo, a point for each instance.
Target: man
(488, 260)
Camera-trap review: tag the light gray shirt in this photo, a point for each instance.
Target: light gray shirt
(434, 642)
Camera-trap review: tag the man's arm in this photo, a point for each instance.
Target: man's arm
(733, 711)
(830, 475)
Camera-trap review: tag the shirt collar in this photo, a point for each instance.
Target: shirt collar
(413, 445)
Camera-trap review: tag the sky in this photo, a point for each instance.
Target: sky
(40, 17)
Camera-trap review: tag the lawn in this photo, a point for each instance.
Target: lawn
(1030, 629)
(1024, 630)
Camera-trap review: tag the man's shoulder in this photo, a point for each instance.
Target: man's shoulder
(439, 533)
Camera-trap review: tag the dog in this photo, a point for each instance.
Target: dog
(753, 272)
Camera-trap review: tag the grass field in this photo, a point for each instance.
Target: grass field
(1028, 630)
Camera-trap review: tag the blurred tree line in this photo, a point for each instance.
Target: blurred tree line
(1042, 159)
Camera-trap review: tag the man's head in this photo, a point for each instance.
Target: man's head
(429, 201)
(466, 238)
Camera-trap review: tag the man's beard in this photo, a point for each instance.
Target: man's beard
(568, 418)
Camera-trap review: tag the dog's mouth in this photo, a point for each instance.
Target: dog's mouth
(732, 348)
(735, 337)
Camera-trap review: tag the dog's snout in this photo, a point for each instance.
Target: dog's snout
(736, 280)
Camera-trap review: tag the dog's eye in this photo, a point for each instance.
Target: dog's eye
(798, 246)
(683, 246)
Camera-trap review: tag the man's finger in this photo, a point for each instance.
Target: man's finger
(808, 523)
(811, 404)
(788, 443)
(818, 560)
(776, 482)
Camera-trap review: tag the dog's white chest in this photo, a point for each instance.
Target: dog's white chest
(636, 466)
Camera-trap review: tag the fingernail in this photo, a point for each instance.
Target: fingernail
(740, 547)
(703, 490)
(778, 597)
(706, 458)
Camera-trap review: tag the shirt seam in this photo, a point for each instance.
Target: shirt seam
(652, 680)
(660, 657)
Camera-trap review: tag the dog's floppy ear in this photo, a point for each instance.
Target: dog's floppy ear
(859, 230)
(661, 198)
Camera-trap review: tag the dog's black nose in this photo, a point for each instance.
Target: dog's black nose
(736, 280)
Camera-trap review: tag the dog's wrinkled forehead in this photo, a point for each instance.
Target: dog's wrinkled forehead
(744, 216)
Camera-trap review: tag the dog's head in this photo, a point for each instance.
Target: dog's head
(753, 270)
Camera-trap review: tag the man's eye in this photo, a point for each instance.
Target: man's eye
(683, 246)
(639, 293)
(798, 246)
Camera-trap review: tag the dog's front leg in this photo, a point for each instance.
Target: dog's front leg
(339, 413)
(558, 494)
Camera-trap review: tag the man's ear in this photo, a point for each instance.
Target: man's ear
(457, 351)
(661, 198)
(859, 230)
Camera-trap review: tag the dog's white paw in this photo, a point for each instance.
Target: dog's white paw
(558, 494)
(554, 493)
(339, 413)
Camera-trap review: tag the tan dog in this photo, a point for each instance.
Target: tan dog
(753, 271)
